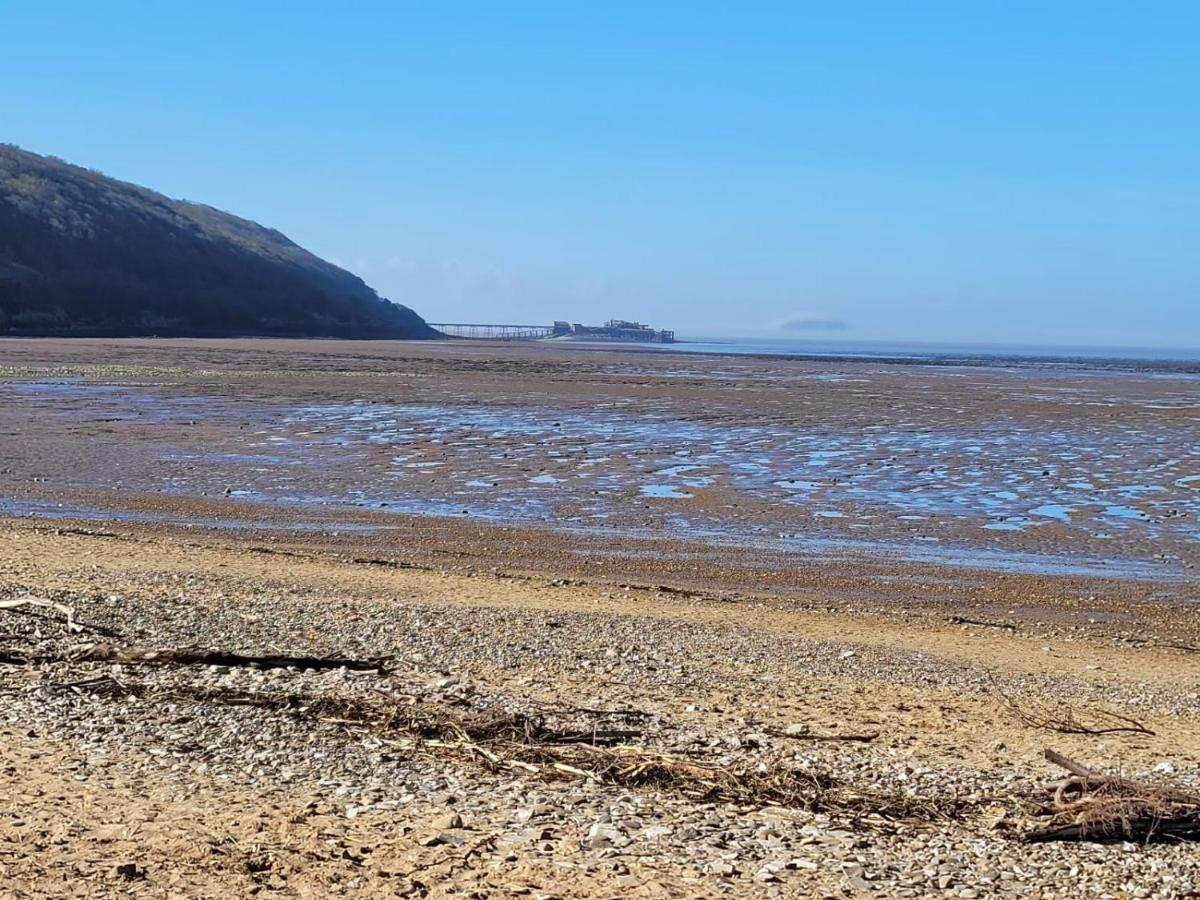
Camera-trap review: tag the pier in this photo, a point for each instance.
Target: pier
(612, 330)
(494, 332)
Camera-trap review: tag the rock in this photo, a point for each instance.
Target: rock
(129, 871)
(752, 740)
(448, 822)
(853, 870)
(444, 839)
(602, 835)
(654, 832)
(796, 729)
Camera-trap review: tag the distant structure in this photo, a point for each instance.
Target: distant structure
(612, 330)
(615, 330)
(476, 331)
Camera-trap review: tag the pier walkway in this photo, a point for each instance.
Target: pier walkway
(494, 332)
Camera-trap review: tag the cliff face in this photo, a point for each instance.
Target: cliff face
(83, 254)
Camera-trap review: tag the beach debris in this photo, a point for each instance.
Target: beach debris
(800, 731)
(190, 656)
(66, 611)
(963, 620)
(1090, 806)
(1062, 718)
(525, 744)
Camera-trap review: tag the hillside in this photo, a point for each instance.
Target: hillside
(83, 254)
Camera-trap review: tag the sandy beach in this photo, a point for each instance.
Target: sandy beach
(392, 619)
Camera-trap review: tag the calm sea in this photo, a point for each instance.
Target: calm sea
(949, 354)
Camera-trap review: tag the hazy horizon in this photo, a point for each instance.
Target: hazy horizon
(883, 342)
(927, 173)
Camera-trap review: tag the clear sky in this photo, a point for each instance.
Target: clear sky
(984, 171)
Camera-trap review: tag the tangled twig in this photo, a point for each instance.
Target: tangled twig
(1063, 719)
(1088, 806)
(528, 745)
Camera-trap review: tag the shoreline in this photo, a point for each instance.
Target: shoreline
(1181, 362)
(1166, 361)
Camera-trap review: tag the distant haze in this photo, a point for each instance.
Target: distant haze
(1020, 172)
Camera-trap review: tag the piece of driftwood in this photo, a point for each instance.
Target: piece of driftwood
(190, 656)
(963, 620)
(100, 686)
(1090, 806)
(27, 604)
(1166, 645)
(199, 657)
(22, 602)
(528, 745)
(864, 738)
(1175, 645)
(66, 611)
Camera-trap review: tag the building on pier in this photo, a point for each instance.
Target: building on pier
(612, 330)
(615, 330)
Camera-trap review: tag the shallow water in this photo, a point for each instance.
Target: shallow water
(806, 545)
(899, 488)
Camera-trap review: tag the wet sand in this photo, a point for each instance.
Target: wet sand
(1072, 472)
(732, 545)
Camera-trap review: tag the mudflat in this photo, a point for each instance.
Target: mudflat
(532, 620)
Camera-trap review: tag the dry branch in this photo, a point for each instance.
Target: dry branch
(62, 608)
(524, 744)
(1088, 806)
(190, 656)
(198, 657)
(1063, 719)
(810, 736)
(963, 620)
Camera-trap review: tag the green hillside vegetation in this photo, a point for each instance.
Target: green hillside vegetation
(84, 254)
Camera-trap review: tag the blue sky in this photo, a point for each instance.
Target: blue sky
(973, 171)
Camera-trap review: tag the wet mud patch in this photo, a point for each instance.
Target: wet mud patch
(1006, 496)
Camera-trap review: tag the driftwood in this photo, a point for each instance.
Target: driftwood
(190, 656)
(27, 603)
(197, 657)
(1173, 645)
(963, 620)
(66, 611)
(1165, 645)
(1089, 806)
(528, 745)
(865, 738)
